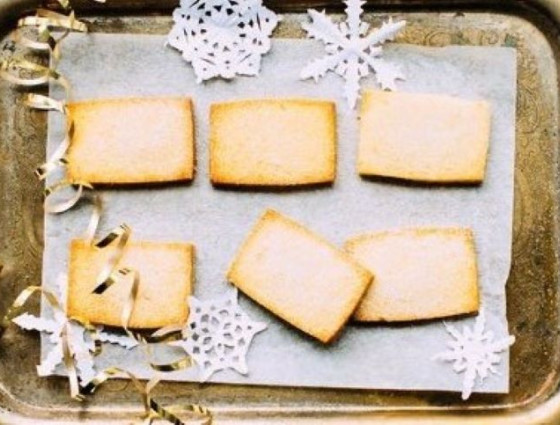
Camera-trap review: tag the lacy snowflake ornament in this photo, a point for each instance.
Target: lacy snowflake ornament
(222, 38)
(474, 352)
(351, 51)
(219, 334)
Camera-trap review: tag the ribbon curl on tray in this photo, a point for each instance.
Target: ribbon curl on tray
(153, 409)
(25, 73)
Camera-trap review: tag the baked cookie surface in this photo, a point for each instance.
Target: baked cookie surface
(129, 141)
(298, 276)
(273, 142)
(423, 137)
(423, 273)
(166, 280)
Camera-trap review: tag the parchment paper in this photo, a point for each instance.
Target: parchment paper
(217, 221)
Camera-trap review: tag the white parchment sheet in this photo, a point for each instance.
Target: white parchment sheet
(217, 220)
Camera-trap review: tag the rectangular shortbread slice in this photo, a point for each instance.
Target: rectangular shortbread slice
(299, 276)
(280, 142)
(419, 274)
(423, 137)
(128, 141)
(166, 280)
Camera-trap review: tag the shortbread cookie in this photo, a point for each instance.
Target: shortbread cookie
(423, 137)
(273, 142)
(166, 280)
(127, 141)
(299, 276)
(419, 274)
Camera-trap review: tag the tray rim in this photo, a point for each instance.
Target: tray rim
(530, 411)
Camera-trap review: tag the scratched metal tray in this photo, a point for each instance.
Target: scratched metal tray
(533, 287)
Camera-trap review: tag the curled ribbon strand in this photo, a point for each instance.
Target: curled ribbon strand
(11, 69)
(17, 308)
(52, 20)
(44, 21)
(152, 408)
(111, 274)
(18, 305)
(25, 73)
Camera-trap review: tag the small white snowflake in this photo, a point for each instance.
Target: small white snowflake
(219, 334)
(81, 346)
(351, 51)
(222, 38)
(474, 352)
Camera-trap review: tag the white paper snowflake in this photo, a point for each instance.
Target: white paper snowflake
(474, 352)
(351, 51)
(80, 344)
(219, 334)
(222, 38)
(113, 338)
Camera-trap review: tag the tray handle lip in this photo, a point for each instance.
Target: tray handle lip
(12, 10)
(550, 7)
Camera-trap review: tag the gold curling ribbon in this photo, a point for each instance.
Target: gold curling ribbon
(18, 305)
(167, 334)
(44, 42)
(12, 69)
(45, 73)
(117, 240)
(110, 275)
(44, 21)
(52, 20)
(152, 409)
(17, 308)
(70, 365)
(45, 103)
(58, 161)
(38, 75)
(165, 337)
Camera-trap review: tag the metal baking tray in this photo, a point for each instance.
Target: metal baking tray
(533, 27)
